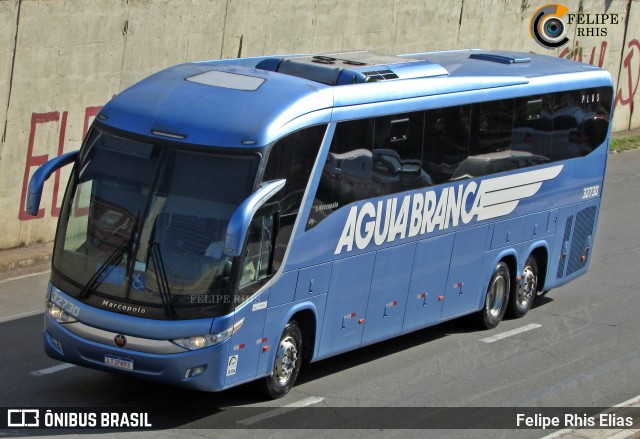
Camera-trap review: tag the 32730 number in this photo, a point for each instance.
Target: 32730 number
(64, 304)
(590, 192)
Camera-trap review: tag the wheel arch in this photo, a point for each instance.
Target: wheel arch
(308, 323)
(539, 250)
(306, 315)
(510, 257)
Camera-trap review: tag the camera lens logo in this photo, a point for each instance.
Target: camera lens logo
(546, 26)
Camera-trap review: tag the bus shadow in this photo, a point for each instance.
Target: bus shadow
(376, 351)
(541, 301)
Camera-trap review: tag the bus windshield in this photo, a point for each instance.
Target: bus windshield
(144, 225)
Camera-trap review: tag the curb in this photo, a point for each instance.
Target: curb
(629, 133)
(25, 257)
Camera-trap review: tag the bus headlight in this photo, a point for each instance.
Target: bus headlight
(204, 341)
(58, 314)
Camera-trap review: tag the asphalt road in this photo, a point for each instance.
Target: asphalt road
(579, 346)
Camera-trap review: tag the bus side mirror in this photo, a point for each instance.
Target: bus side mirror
(241, 218)
(41, 175)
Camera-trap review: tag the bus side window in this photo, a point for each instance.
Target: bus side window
(532, 131)
(568, 117)
(292, 158)
(347, 173)
(397, 153)
(489, 140)
(446, 141)
(596, 104)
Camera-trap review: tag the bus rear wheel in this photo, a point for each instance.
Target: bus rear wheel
(287, 362)
(526, 290)
(497, 298)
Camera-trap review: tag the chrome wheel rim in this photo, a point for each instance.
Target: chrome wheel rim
(286, 360)
(527, 287)
(496, 296)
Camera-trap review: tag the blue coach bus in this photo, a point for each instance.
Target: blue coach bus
(227, 220)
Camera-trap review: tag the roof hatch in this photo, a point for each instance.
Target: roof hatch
(227, 80)
(353, 67)
(502, 59)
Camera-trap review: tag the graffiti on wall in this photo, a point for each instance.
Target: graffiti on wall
(631, 69)
(577, 54)
(629, 73)
(33, 160)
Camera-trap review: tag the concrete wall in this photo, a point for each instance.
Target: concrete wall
(61, 60)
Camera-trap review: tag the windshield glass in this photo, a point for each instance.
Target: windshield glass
(142, 228)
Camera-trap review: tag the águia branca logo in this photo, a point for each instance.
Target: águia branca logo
(423, 212)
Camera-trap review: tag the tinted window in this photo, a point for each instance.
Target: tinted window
(347, 172)
(580, 122)
(370, 158)
(568, 115)
(390, 154)
(292, 158)
(532, 130)
(353, 135)
(492, 123)
(397, 153)
(446, 141)
(489, 140)
(596, 105)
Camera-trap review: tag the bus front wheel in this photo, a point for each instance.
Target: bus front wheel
(287, 362)
(495, 302)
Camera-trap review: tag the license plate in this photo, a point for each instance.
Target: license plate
(120, 363)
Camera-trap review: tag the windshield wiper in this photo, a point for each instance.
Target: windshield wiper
(161, 275)
(112, 261)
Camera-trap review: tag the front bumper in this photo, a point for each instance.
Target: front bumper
(61, 344)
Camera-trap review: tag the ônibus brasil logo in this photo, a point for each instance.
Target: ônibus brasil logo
(546, 26)
(423, 212)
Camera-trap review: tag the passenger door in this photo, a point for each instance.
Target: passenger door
(346, 304)
(254, 272)
(428, 282)
(388, 296)
(464, 286)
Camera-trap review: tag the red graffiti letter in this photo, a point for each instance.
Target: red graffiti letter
(631, 89)
(55, 210)
(603, 51)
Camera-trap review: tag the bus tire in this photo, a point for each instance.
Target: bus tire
(497, 297)
(287, 362)
(526, 289)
